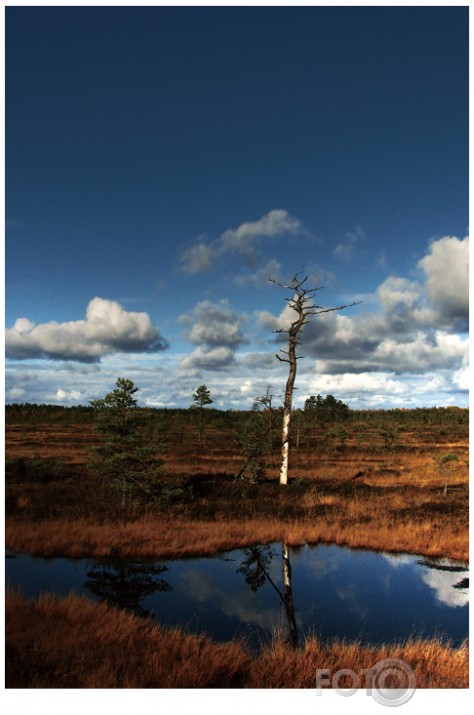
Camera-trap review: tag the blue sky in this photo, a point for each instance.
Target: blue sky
(161, 163)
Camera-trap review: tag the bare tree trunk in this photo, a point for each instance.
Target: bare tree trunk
(297, 305)
(285, 446)
(285, 435)
(303, 305)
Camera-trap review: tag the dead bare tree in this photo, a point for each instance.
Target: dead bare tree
(302, 303)
(266, 401)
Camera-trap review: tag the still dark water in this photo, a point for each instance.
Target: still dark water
(333, 592)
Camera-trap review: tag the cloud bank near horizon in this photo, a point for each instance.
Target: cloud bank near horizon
(405, 345)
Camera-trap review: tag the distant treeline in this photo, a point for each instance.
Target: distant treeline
(31, 413)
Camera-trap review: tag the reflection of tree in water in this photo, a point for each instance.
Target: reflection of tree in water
(125, 584)
(255, 568)
(453, 568)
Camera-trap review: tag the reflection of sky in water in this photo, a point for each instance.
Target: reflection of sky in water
(337, 592)
(378, 597)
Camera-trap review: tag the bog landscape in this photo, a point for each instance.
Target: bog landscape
(154, 502)
(236, 354)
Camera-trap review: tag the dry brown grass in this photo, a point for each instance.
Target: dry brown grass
(174, 538)
(435, 664)
(71, 642)
(75, 643)
(412, 465)
(68, 442)
(397, 505)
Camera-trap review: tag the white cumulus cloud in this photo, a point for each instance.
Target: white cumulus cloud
(205, 358)
(216, 330)
(446, 269)
(108, 328)
(275, 223)
(63, 396)
(241, 241)
(197, 258)
(407, 326)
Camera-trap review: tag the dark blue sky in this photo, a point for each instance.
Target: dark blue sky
(133, 134)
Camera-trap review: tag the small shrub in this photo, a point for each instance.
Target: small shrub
(36, 470)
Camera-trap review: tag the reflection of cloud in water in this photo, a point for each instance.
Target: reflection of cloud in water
(396, 560)
(444, 582)
(387, 582)
(437, 575)
(231, 597)
(317, 563)
(200, 584)
(240, 602)
(348, 595)
(245, 607)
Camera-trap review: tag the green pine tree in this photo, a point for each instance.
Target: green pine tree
(127, 456)
(201, 397)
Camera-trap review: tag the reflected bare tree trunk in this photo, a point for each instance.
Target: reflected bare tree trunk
(288, 595)
(255, 568)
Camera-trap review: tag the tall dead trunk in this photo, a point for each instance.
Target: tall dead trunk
(297, 305)
(302, 303)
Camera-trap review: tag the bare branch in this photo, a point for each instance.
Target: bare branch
(329, 310)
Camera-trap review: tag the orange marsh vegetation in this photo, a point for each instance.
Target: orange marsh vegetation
(56, 506)
(164, 538)
(71, 642)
